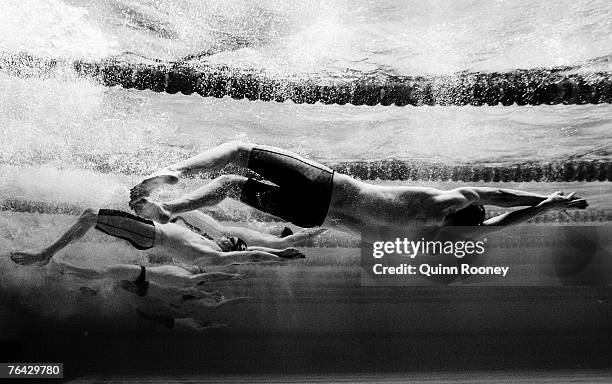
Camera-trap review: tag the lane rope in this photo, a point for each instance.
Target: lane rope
(142, 162)
(559, 85)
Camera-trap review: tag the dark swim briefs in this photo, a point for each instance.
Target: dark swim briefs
(301, 192)
(138, 231)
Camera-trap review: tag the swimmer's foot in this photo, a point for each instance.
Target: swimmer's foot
(150, 210)
(151, 183)
(29, 258)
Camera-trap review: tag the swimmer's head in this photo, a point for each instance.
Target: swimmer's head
(469, 216)
(231, 244)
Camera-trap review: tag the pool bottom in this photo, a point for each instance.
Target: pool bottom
(136, 356)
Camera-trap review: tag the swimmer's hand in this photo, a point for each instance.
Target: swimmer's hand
(289, 253)
(259, 256)
(558, 200)
(240, 257)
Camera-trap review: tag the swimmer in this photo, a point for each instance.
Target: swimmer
(189, 313)
(143, 234)
(309, 194)
(173, 300)
(137, 279)
(208, 227)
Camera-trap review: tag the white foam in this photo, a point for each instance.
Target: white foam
(76, 187)
(51, 28)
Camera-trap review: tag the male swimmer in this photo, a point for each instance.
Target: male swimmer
(137, 279)
(309, 194)
(173, 301)
(191, 247)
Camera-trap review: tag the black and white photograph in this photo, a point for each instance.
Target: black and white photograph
(310, 191)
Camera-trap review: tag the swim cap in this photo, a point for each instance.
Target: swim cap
(241, 245)
(235, 244)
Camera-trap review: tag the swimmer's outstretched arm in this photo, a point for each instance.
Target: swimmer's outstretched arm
(258, 239)
(554, 201)
(286, 253)
(226, 258)
(500, 197)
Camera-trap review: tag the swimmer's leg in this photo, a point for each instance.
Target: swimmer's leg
(208, 195)
(84, 223)
(211, 160)
(138, 231)
(285, 253)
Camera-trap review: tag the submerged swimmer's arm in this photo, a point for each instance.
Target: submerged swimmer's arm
(259, 239)
(214, 228)
(554, 201)
(117, 271)
(224, 258)
(171, 275)
(505, 220)
(252, 237)
(203, 222)
(286, 253)
(500, 197)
